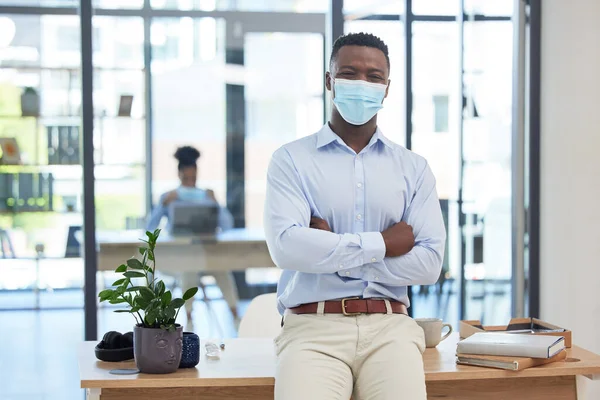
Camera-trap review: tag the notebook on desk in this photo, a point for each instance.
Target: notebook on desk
(508, 363)
(513, 345)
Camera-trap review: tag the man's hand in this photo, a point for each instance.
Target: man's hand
(318, 223)
(170, 197)
(399, 239)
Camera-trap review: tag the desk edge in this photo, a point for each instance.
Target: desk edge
(176, 382)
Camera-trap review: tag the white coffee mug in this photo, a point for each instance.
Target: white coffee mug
(432, 327)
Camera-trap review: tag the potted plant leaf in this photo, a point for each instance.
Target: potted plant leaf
(157, 337)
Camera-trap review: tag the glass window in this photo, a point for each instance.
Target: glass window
(118, 43)
(119, 123)
(441, 111)
(244, 5)
(118, 3)
(39, 41)
(188, 77)
(435, 76)
(284, 101)
(486, 7)
(43, 3)
(391, 118)
(487, 172)
(39, 199)
(435, 137)
(372, 7)
(436, 7)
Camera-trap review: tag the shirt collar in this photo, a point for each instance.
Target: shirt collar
(327, 136)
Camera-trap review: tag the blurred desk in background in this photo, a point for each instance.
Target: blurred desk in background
(233, 250)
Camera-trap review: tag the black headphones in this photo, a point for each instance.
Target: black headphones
(115, 347)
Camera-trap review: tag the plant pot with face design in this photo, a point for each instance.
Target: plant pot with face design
(157, 351)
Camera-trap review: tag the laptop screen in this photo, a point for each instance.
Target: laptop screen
(197, 219)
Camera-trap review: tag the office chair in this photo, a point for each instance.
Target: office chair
(261, 320)
(6, 246)
(73, 248)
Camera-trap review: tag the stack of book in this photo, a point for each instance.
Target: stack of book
(510, 351)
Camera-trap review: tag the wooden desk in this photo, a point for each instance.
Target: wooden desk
(247, 366)
(233, 250)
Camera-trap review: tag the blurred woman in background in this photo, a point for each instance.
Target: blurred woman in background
(187, 157)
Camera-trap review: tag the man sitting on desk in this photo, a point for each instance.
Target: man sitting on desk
(353, 219)
(188, 192)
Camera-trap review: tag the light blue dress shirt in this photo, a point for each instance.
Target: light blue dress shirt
(359, 195)
(160, 210)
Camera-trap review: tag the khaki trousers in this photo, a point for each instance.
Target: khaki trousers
(334, 357)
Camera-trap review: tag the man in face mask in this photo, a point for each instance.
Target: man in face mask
(353, 219)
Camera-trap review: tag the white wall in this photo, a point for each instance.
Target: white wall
(570, 172)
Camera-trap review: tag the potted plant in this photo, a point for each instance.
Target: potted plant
(30, 103)
(156, 336)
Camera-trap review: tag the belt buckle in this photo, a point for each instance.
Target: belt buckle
(347, 314)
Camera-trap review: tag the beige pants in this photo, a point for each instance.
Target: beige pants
(224, 281)
(334, 357)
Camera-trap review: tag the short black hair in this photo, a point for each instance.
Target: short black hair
(359, 39)
(187, 157)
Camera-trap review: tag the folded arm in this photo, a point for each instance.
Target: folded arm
(293, 244)
(421, 265)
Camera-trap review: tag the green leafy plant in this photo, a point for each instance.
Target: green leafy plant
(151, 304)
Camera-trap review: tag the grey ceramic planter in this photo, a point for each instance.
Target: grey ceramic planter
(30, 103)
(157, 351)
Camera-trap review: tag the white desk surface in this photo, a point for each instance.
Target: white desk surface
(233, 250)
(129, 237)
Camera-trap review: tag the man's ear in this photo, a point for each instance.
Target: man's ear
(328, 80)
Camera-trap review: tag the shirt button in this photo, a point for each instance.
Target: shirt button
(347, 273)
(359, 184)
(373, 259)
(341, 266)
(359, 217)
(376, 278)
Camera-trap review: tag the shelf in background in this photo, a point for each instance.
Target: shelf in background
(133, 172)
(58, 117)
(72, 69)
(4, 212)
(35, 166)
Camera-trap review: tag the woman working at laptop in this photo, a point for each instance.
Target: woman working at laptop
(188, 192)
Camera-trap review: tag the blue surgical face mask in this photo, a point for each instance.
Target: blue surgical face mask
(358, 101)
(192, 194)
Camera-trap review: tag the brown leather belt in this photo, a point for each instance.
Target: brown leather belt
(352, 306)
